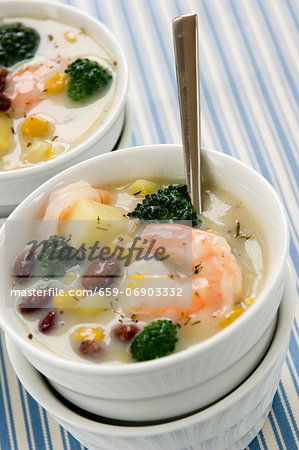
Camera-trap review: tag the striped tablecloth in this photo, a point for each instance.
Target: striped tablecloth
(249, 96)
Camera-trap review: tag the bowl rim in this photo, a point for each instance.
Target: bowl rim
(59, 410)
(176, 358)
(116, 107)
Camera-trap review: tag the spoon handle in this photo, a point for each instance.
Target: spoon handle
(185, 39)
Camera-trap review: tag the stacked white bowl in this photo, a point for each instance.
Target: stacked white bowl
(231, 423)
(202, 374)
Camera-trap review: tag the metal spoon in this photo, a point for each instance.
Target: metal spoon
(185, 38)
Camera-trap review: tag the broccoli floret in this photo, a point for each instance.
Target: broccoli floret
(56, 256)
(17, 42)
(86, 77)
(171, 203)
(156, 340)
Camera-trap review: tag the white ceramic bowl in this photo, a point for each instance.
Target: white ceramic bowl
(232, 423)
(15, 185)
(206, 368)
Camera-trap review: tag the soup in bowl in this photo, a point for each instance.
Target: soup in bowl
(63, 83)
(88, 345)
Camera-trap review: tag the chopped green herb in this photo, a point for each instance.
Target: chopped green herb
(198, 268)
(188, 320)
(240, 234)
(56, 256)
(171, 203)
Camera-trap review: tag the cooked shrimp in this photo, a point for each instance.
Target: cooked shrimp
(216, 276)
(61, 201)
(25, 86)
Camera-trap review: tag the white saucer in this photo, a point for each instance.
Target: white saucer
(231, 423)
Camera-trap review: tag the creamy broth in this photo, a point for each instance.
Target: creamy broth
(71, 122)
(223, 215)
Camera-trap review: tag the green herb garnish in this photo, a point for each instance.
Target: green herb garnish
(171, 203)
(56, 256)
(17, 42)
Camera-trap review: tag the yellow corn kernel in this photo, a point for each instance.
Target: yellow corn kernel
(141, 188)
(91, 312)
(55, 84)
(70, 275)
(7, 140)
(35, 127)
(88, 333)
(135, 281)
(38, 151)
(249, 301)
(70, 36)
(231, 316)
(66, 300)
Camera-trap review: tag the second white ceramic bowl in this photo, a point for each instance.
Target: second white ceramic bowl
(15, 185)
(206, 367)
(230, 424)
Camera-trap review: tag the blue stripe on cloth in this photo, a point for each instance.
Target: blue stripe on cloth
(217, 121)
(263, 440)
(283, 424)
(280, 54)
(274, 428)
(4, 434)
(47, 429)
(26, 419)
(290, 412)
(168, 57)
(260, 154)
(230, 78)
(293, 349)
(292, 13)
(254, 445)
(9, 406)
(147, 83)
(264, 90)
(75, 445)
(62, 434)
(38, 435)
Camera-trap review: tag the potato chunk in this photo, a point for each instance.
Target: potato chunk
(141, 188)
(7, 139)
(89, 221)
(39, 151)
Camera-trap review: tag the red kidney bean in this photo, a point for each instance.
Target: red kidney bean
(3, 75)
(100, 274)
(47, 323)
(23, 266)
(34, 302)
(125, 332)
(90, 348)
(4, 102)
